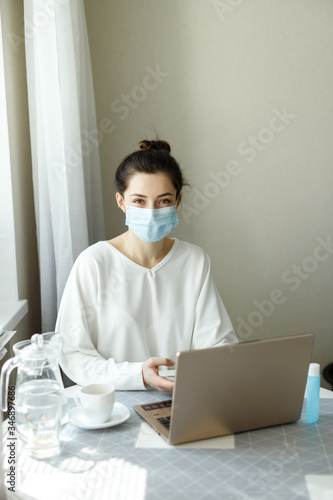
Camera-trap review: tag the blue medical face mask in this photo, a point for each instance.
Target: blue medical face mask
(151, 224)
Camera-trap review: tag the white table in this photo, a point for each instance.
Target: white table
(293, 461)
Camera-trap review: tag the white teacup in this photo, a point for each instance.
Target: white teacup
(96, 401)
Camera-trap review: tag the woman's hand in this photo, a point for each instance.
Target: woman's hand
(151, 377)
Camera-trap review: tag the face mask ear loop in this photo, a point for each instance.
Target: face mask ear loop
(123, 203)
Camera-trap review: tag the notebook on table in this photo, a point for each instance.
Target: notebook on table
(233, 388)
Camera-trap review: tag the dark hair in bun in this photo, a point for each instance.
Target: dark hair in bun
(153, 157)
(157, 145)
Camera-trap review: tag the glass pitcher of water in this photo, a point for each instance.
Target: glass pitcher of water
(38, 372)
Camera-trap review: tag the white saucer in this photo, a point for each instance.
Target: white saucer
(120, 414)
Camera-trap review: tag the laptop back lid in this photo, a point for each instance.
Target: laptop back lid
(239, 387)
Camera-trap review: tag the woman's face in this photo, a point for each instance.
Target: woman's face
(149, 191)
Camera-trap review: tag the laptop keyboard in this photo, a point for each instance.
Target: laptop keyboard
(165, 421)
(157, 406)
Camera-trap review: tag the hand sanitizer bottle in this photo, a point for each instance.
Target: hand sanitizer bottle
(312, 399)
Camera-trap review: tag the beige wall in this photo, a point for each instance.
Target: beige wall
(18, 122)
(261, 199)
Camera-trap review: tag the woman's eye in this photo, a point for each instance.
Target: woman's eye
(140, 201)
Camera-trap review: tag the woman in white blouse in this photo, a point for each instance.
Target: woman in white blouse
(131, 303)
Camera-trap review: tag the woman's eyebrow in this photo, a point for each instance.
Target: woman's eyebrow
(159, 196)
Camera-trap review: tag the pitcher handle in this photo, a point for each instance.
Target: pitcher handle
(7, 368)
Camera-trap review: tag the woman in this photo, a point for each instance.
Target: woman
(131, 303)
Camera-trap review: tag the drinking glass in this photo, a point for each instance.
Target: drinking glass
(42, 418)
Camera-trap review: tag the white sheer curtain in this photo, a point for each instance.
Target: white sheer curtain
(64, 139)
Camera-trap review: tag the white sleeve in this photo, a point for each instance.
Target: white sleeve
(79, 357)
(212, 327)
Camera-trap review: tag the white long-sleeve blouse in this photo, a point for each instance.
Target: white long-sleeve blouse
(115, 314)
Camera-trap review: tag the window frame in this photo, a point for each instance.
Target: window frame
(12, 310)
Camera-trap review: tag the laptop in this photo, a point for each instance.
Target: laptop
(233, 388)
